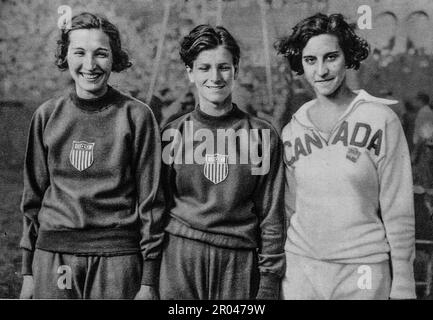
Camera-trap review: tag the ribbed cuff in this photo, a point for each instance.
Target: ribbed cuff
(403, 281)
(269, 287)
(27, 260)
(150, 274)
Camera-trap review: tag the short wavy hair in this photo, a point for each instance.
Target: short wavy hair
(87, 20)
(355, 48)
(206, 37)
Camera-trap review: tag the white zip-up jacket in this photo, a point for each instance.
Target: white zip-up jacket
(352, 201)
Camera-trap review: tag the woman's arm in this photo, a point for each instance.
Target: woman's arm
(397, 209)
(269, 205)
(36, 181)
(151, 206)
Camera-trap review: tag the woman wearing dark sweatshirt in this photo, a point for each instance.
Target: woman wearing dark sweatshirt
(224, 176)
(91, 175)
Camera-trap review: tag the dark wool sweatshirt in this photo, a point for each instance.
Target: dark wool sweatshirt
(91, 179)
(224, 181)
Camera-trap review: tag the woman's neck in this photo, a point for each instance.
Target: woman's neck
(339, 99)
(214, 109)
(83, 94)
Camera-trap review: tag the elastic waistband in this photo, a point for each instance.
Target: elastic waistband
(361, 256)
(176, 227)
(374, 260)
(113, 241)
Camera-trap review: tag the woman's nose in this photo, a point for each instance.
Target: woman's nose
(215, 74)
(322, 69)
(89, 62)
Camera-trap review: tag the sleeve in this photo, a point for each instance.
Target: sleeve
(36, 182)
(168, 177)
(289, 196)
(397, 209)
(269, 205)
(150, 196)
(289, 181)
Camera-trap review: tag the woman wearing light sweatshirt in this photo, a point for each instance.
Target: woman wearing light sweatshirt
(351, 232)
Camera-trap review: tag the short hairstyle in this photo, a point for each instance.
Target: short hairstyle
(423, 97)
(206, 37)
(86, 20)
(355, 48)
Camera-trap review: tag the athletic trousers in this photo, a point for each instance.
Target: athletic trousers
(65, 276)
(311, 279)
(194, 270)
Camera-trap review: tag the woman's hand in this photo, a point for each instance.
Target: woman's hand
(27, 287)
(147, 293)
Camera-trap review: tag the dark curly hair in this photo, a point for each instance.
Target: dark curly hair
(205, 37)
(355, 49)
(86, 20)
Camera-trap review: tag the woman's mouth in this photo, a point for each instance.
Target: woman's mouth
(91, 76)
(324, 80)
(215, 87)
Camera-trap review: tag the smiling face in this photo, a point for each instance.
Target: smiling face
(324, 64)
(90, 60)
(213, 74)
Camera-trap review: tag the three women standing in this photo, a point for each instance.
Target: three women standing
(93, 204)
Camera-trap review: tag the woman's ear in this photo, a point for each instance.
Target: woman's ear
(190, 74)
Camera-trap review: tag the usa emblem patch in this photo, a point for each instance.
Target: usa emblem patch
(216, 168)
(81, 155)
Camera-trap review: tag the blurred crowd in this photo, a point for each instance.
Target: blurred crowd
(417, 121)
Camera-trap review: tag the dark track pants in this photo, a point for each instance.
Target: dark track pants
(193, 269)
(66, 276)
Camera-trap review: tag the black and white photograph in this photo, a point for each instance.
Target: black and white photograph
(233, 151)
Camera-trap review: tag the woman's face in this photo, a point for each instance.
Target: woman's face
(213, 74)
(324, 64)
(90, 60)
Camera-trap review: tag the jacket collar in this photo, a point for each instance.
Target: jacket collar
(301, 116)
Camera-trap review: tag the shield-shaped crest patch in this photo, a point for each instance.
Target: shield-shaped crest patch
(216, 168)
(81, 155)
(353, 154)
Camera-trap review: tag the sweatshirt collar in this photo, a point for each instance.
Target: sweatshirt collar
(96, 104)
(217, 121)
(301, 115)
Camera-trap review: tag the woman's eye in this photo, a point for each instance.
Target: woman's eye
(309, 60)
(332, 58)
(79, 53)
(203, 68)
(102, 54)
(225, 68)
